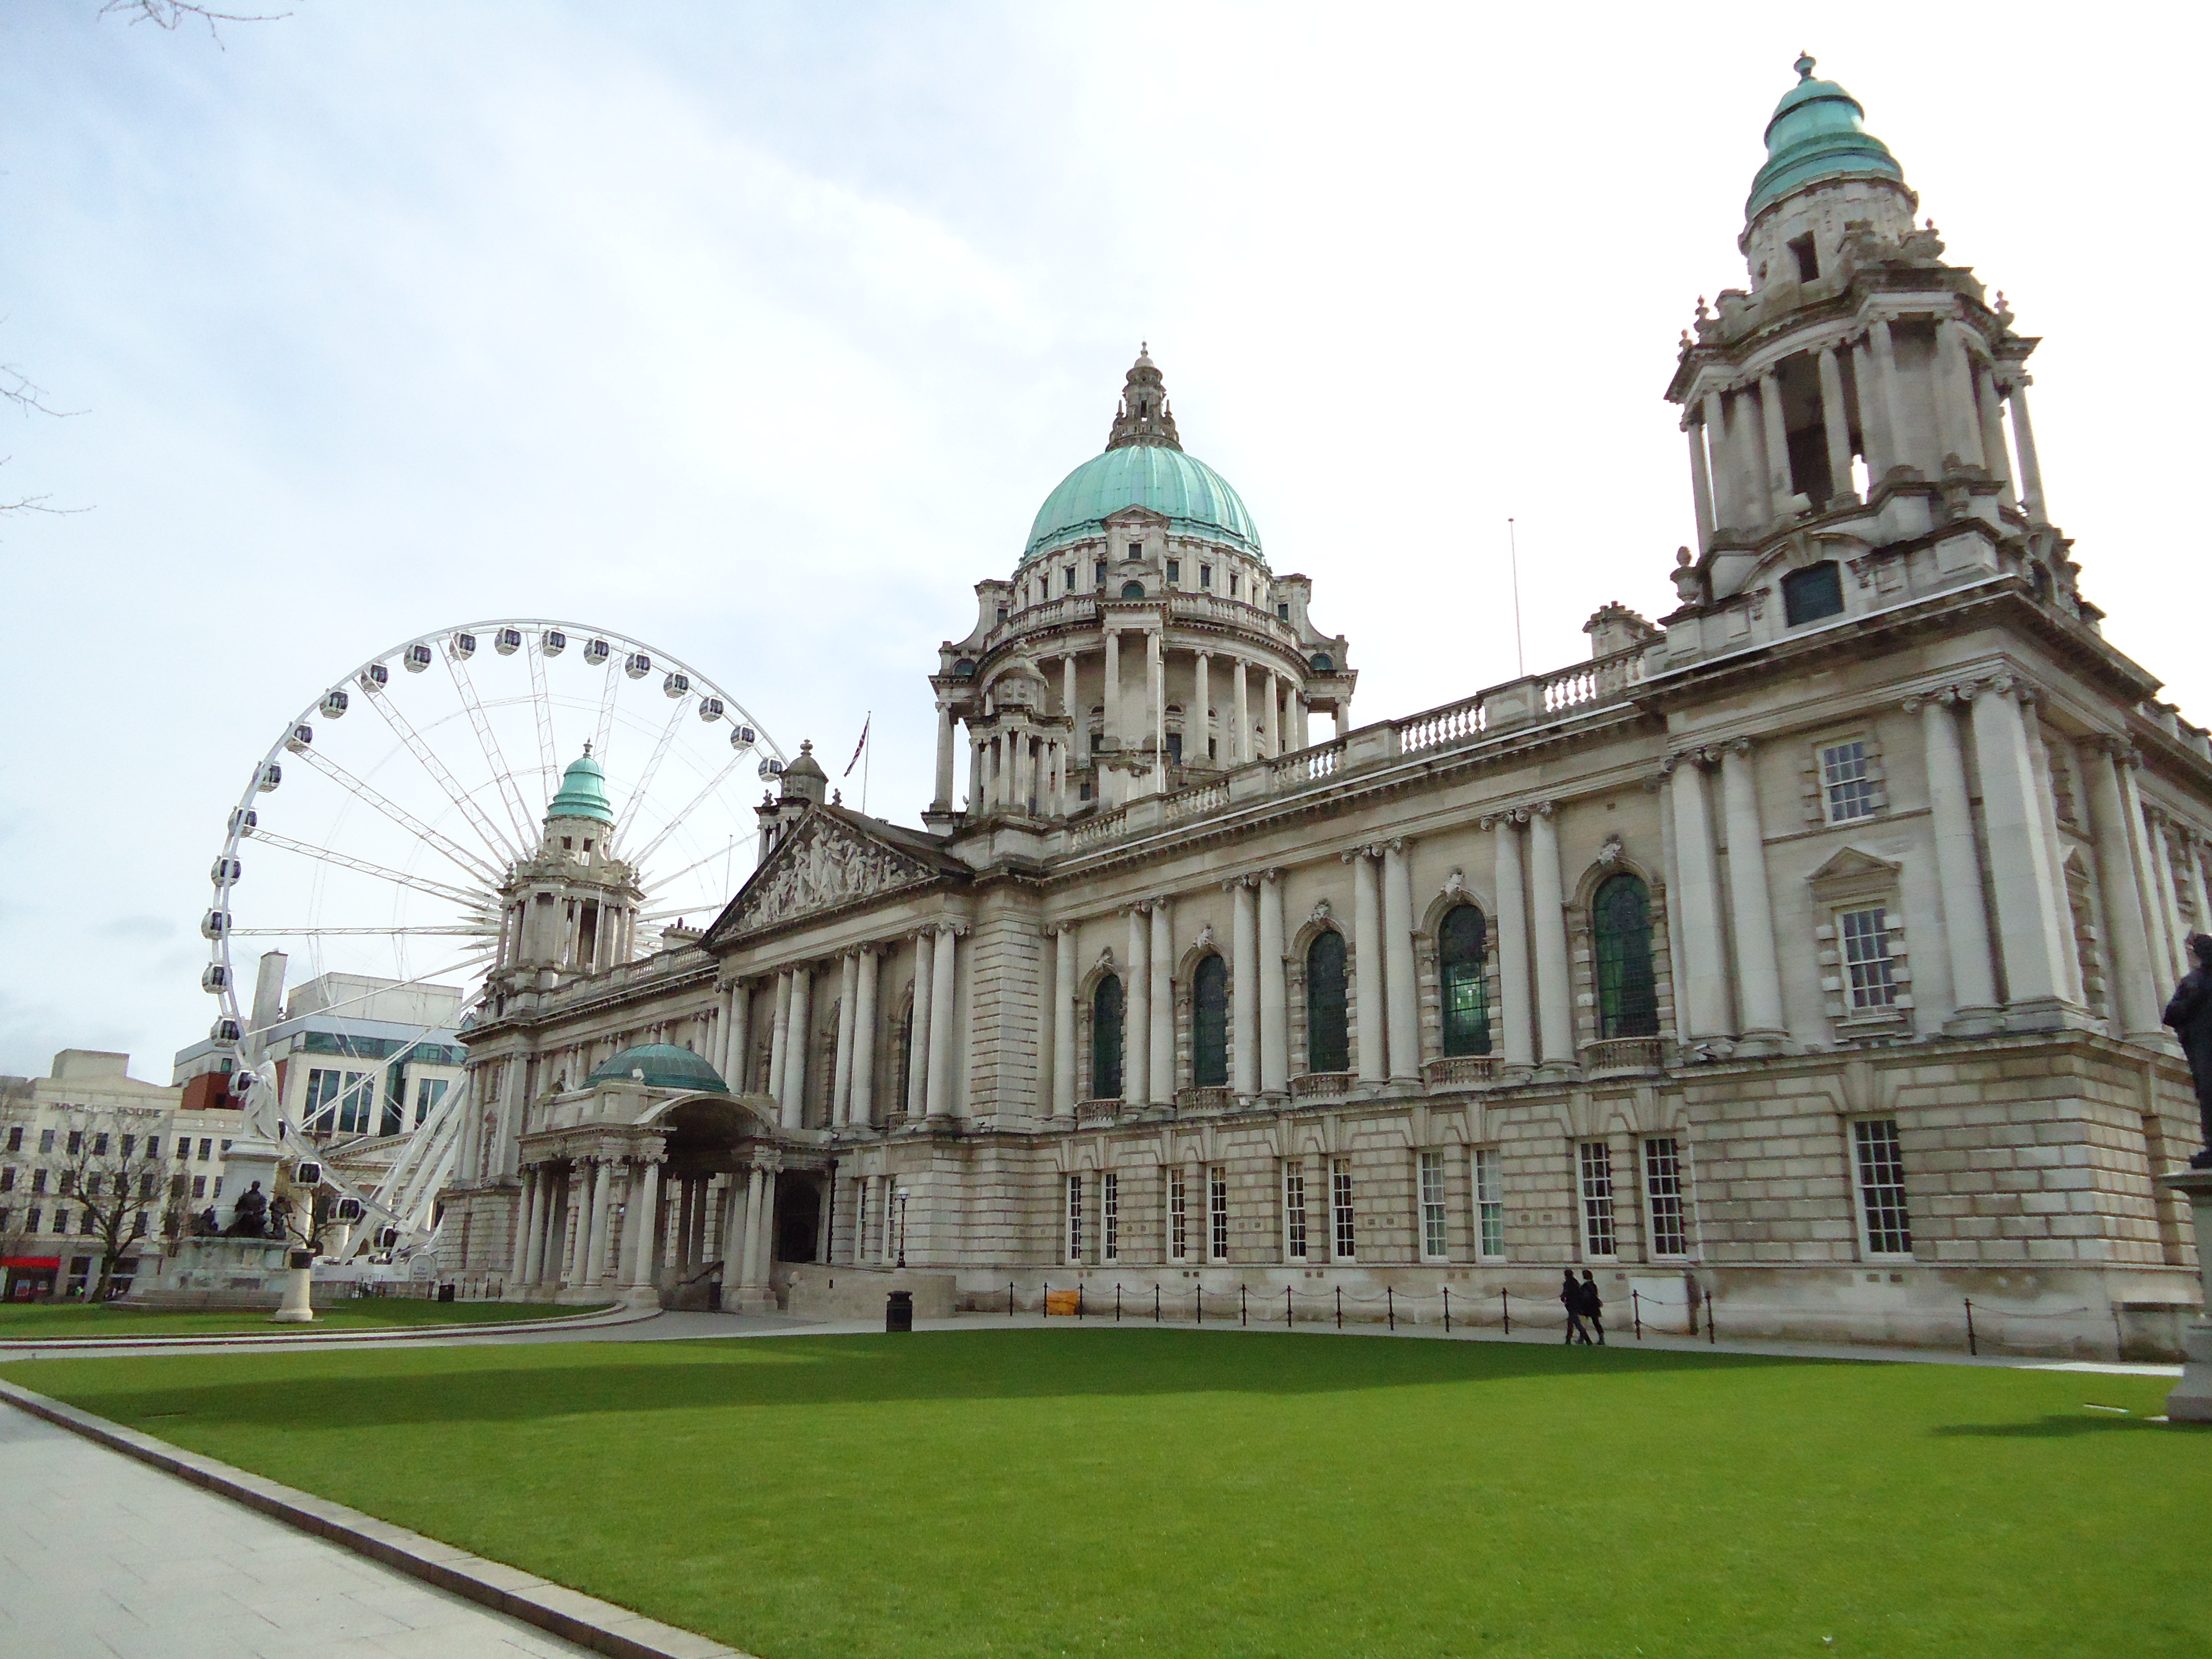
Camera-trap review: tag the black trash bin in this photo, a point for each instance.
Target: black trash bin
(445, 1292)
(898, 1311)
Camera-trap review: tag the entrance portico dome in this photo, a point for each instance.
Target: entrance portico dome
(665, 1066)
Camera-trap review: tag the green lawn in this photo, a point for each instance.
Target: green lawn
(23, 1323)
(1000, 1494)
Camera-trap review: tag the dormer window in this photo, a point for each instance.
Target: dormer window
(1808, 257)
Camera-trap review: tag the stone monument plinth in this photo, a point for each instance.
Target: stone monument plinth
(2191, 1399)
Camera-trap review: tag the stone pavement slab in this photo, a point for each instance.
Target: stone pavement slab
(103, 1558)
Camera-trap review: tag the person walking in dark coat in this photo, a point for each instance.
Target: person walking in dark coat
(1593, 1305)
(1571, 1298)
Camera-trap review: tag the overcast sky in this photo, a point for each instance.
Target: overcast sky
(760, 332)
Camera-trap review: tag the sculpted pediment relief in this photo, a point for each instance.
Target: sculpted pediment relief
(820, 865)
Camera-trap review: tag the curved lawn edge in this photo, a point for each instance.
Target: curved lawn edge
(613, 1314)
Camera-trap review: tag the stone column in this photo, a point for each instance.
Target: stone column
(577, 1209)
(1367, 964)
(687, 1200)
(1136, 1013)
(1778, 481)
(917, 1053)
(1274, 1015)
(779, 1042)
(1245, 988)
(942, 800)
(695, 1248)
(1837, 425)
(1163, 1002)
(1701, 483)
(1874, 428)
(645, 1206)
(1156, 704)
(1203, 697)
(1958, 864)
(1269, 732)
(1514, 1012)
(1067, 703)
(2029, 928)
(941, 1079)
(1240, 743)
(1400, 985)
(1892, 394)
(2023, 437)
(1298, 712)
(1954, 394)
(795, 1046)
(1721, 484)
(2169, 932)
(1063, 1020)
(2139, 846)
(595, 1264)
(849, 985)
(742, 1267)
(525, 1231)
(1700, 940)
(1758, 974)
(864, 1036)
(1671, 874)
(1111, 731)
(1988, 407)
(1547, 904)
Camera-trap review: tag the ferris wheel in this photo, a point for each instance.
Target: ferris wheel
(372, 837)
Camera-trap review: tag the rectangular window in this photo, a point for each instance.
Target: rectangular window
(1102, 573)
(206, 1146)
(153, 1146)
(1175, 570)
(46, 1140)
(6, 1216)
(1596, 1162)
(1232, 583)
(75, 1142)
(145, 1186)
(427, 1093)
(1882, 1187)
(1075, 1217)
(7, 1179)
(38, 1181)
(1489, 1203)
(1340, 1204)
(1844, 783)
(15, 1139)
(199, 1185)
(61, 1221)
(1283, 612)
(1067, 580)
(31, 1222)
(1178, 1219)
(129, 1141)
(216, 1190)
(1136, 550)
(1662, 1196)
(1217, 1212)
(1435, 1246)
(99, 1146)
(1294, 1212)
(1205, 576)
(1109, 1216)
(1865, 934)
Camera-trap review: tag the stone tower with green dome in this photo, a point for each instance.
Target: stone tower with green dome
(570, 909)
(1143, 643)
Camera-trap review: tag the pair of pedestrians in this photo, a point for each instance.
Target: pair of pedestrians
(1581, 1300)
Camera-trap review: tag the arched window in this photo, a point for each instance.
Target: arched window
(1133, 590)
(1321, 665)
(1328, 1039)
(1462, 954)
(1209, 1025)
(1628, 994)
(1106, 1040)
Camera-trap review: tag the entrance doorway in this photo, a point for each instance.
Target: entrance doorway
(797, 1217)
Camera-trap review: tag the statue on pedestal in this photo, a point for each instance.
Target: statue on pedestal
(2190, 1013)
(249, 1216)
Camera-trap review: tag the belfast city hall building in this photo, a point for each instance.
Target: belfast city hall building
(1795, 961)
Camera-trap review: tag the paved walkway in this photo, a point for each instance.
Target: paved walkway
(103, 1558)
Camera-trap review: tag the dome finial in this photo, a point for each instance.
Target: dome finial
(1804, 65)
(1142, 416)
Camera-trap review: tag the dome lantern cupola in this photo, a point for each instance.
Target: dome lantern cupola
(1817, 133)
(1144, 416)
(583, 793)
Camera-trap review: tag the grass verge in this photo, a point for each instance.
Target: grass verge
(984, 1493)
(65, 1319)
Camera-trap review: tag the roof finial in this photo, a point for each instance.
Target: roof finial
(587, 746)
(1803, 65)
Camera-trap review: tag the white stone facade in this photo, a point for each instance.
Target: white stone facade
(1824, 926)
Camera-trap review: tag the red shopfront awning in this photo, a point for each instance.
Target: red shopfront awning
(33, 1262)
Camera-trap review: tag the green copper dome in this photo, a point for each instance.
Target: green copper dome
(1818, 131)
(583, 793)
(665, 1067)
(1193, 495)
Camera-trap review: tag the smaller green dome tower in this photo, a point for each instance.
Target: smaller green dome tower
(583, 793)
(1817, 132)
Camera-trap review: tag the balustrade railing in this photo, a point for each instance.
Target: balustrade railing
(1638, 1053)
(1460, 1071)
(1197, 801)
(1205, 1100)
(1321, 1085)
(1458, 722)
(1306, 766)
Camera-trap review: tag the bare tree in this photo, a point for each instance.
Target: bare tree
(113, 1180)
(171, 13)
(16, 388)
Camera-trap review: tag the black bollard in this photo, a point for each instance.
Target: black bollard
(1117, 1302)
(1010, 1298)
(1970, 1348)
(1340, 1307)
(1241, 1311)
(1635, 1306)
(1286, 1307)
(1447, 1311)
(1391, 1302)
(1156, 1304)
(1505, 1307)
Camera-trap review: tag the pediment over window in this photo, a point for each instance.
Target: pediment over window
(1853, 873)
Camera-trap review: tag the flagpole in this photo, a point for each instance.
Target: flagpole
(867, 759)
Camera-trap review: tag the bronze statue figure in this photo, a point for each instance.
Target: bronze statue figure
(2190, 1013)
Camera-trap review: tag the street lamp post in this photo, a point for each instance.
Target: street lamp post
(902, 1230)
